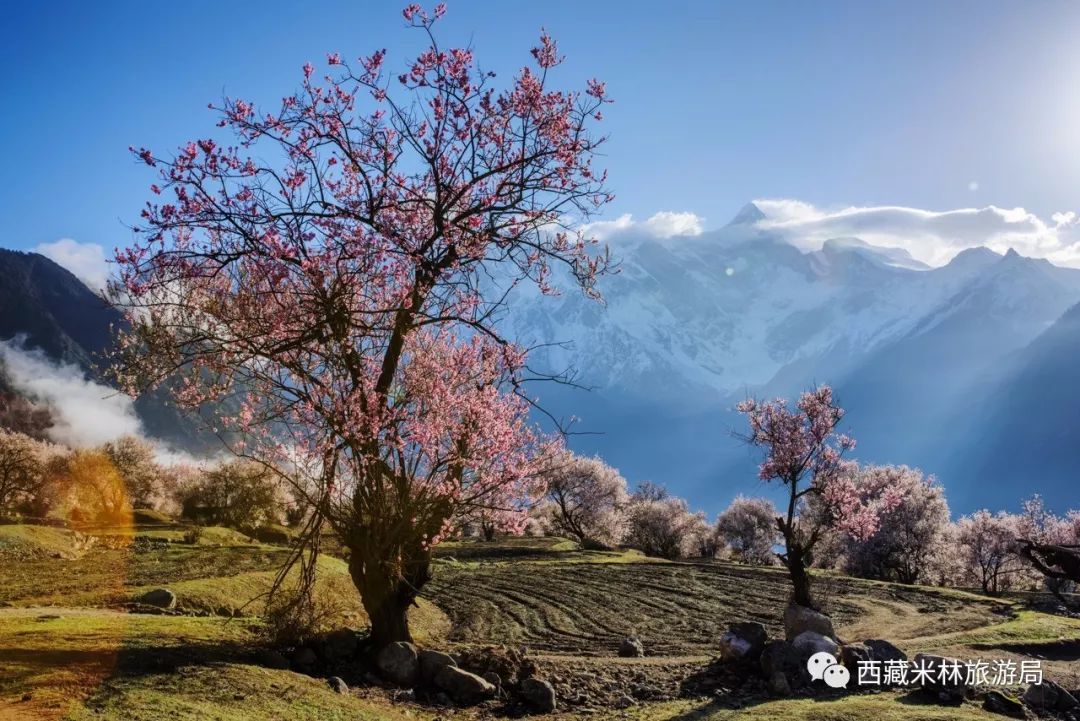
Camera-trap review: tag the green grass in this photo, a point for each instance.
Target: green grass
(1029, 627)
(19, 542)
(229, 692)
(878, 707)
(95, 664)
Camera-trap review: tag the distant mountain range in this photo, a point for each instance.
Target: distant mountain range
(967, 371)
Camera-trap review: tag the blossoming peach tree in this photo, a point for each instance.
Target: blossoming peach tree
(804, 451)
(335, 277)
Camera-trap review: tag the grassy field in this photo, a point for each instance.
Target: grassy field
(70, 647)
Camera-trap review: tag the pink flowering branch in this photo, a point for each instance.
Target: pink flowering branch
(334, 275)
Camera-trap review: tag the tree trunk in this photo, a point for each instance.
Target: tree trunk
(388, 588)
(800, 577)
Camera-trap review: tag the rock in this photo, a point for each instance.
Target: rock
(1050, 697)
(623, 702)
(337, 684)
(944, 678)
(884, 651)
(493, 678)
(340, 645)
(743, 642)
(1004, 704)
(778, 685)
(539, 694)
(431, 662)
(159, 598)
(631, 647)
(272, 659)
(780, 657)
(304, 658)
(399, 664)
(808, 643)
(463, 687)
(800, 619)
(852, 653)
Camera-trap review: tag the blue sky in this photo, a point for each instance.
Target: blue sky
(833, 104)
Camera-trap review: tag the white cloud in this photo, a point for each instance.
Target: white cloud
(665, 224)
(86, 261)
(84, 413)
(930, 236)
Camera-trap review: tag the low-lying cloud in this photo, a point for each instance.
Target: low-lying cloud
(84, 413)
(86, 261)
(665, 224)
(930, 236)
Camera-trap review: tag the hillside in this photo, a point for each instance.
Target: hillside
(45, 308)
(73, 646)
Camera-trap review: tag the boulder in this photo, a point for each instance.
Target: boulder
(539, 694)
(808, 643)
(884, 651)
(493, 678)
(631, 647)
(851, 654)
(940, 677)
(800, 619)
(463, 687)
(1049, 696)
(399, 664)
(431, 662)
(781, 657)
(304, 658)
(337, 684)
(159, 598)
(1004, 704)
(743, 642)
(272, 659)
(778, 685)
(340, 645)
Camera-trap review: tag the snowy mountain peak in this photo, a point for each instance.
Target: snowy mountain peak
(878, 255)
(748, 215)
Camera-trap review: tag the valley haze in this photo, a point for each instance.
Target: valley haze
(945, 341)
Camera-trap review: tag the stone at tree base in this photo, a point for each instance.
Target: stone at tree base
(463, 687)
(1049, 696)
(304, 658)
(743, 642)
(337, 684)
(160, 598)
(884, 651)
(340, 645)
(852, 653)
(1004, 704)
(779, 656)
(778, 685)
(808, 643)
(799, 619)
(539, 694)
(272, 659)
(399, 664)
(631, 647)
(431, 662)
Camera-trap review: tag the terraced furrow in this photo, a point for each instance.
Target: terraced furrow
(675, 608)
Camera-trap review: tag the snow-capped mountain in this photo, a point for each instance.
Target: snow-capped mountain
(691, 324)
